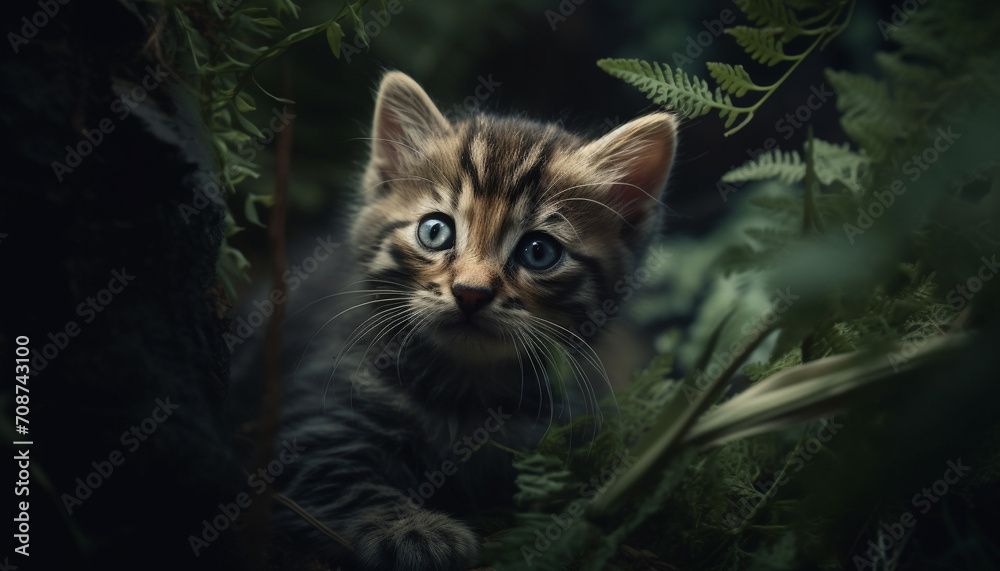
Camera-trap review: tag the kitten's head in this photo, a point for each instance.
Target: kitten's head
(492, 229)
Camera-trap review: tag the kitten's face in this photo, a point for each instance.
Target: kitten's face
(490, 230)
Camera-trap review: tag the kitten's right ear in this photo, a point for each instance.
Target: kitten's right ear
(405, 117)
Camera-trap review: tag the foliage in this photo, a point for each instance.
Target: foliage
(219, 43)
(778, 23)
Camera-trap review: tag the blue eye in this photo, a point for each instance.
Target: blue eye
(538, 252)
(436, 231)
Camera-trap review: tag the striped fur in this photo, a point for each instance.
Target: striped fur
(371, 433)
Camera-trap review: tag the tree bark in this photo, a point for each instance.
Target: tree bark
(116, 291)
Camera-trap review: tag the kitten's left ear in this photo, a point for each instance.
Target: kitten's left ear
(405, 117)
(636, 157)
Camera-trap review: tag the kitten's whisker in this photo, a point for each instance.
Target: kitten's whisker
(384, 281)
(329, 321)
(359, 332)
(560, 335)
(593, 361)
(573, 339)
(402, 144)
(614, 183)
(544, 343)
(357, 291)
(560, 214)
(402, 346)
(599, 203)
(528, 353)
(406, 318)
(544, 378)
(553, 183)
(370, 324)
(592, 357)
(591, 402)
(366, 326)
(520, 365)
(583, 383)
(373, 322)
(372, 187)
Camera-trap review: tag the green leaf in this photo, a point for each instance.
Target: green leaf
(786, 166)
(771, 13)
(870, 115)
(833, 163)
(665, 86)
(359, 24)
(269, 22)
(250, 207)
(248, 125)
(245, 103)
(334, 35)
(271, 95)
(761, 43)
(733, 79)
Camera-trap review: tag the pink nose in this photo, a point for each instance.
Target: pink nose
(471, 299)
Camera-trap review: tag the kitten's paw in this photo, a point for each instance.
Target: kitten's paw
(421, 541)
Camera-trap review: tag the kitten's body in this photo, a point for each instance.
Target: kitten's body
(458, 230)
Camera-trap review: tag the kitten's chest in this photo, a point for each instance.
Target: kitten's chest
(469, 466)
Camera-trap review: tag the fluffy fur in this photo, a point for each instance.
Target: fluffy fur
(443, 346)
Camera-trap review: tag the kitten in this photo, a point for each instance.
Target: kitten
(481, 244)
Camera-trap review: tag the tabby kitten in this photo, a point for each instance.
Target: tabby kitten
(481, 244)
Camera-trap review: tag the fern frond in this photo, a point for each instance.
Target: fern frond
(838, 163)
(773, 13)
(762, 44)
(786, 166)
(732, 78)
(900, 71)
(870, 116)
(833, 163)
(674, 88)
